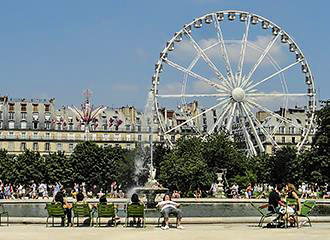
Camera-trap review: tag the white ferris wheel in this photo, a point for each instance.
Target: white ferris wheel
(237, 71)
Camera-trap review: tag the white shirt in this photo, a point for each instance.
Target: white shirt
(166, 204)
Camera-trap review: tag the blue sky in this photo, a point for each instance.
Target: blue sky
(59, 48)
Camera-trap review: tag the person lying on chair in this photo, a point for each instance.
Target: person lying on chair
(167, 206)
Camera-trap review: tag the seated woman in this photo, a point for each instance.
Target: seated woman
(136, 201)
(167, 207)
(59, 197)
(290, 210)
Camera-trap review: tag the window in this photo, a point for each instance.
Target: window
(128, 137)
(105, 126)
(149, 129)
(11, 116)
(35, 125)
(47, 146)
(293, 140)
(139, 128)
(117, 145)
(128, 146)
(35, 146)
(94, 137)
(23, 107)
(173, 138)
(128, 127)
(291, 130)
(10, 146)
(35, 107)
(281, 130)
(1, 124)
(11, 125)
(215, 120)
(105, 137)
(59, 147)
(23, 146)
(70, 126)
(47, 135)
(150, 138)
(23, 125)
(71, 147)
(204, 121)
(161, 138)
(283, 139)
(11, 135)
(23, 135)
(214, 113)
(47, 107)
(58, 126)
(71, 136)
(23, 115)
(1, 115)
(205, 128)
(117, 137)
(47, 125)
(11, 107)
(35, 135)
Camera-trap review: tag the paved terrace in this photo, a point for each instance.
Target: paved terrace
(191, 232)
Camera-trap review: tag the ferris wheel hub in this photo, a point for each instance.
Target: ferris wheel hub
(238, 94)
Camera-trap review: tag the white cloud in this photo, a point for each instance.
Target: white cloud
(185, 50)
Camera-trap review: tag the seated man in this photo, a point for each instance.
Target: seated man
(167, 206)
(274, 201)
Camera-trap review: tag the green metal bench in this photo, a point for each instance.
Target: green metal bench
(55, 210)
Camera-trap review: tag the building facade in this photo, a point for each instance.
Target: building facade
(36, 125)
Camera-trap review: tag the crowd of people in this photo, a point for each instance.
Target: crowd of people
(45, 191)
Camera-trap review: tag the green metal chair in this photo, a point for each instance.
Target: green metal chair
(292, 202)
(135, 211)
(106, 210)
(264, 214)
(3, 212)
(55, 210)
(82, 210)
(306, 209)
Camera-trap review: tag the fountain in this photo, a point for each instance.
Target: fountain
(151, 188)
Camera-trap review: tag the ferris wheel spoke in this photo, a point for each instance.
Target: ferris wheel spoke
(204, 56)
(223, 48)
(254, 130)
(221, 118)
(192, 95)
(258, 123)
(246, 133)
(277, 94)
(273, 75)
(231, 117)
(262, 56)
(194, 117)
(243, 50)
(185, 77)
(195, 75)
(274, 114)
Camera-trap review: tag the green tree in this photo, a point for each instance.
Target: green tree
(184, 168)
(220, 152)
(58, 169)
